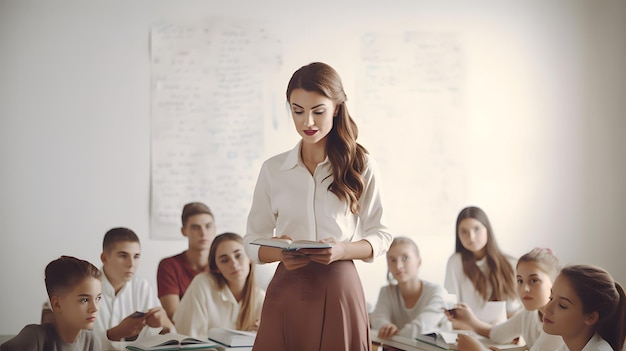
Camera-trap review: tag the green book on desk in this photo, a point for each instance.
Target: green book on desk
(171, 342)
(232, 337)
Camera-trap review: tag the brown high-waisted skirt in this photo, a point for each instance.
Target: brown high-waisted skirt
(317, 307)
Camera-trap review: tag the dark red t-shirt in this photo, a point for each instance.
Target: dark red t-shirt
(174, 275)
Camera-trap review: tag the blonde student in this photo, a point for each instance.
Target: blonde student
(74, 290)
(174, 273)
(130, 309)
(227, 296)
(587, 309)
(536, 270)
(478, 271)
(408, 306)
(327, 188)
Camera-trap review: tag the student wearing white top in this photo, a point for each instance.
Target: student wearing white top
(479, 272)
(123, 294)
(326, 189)
(587, 309)
(411, 306)
(227, 296)
(536, 270)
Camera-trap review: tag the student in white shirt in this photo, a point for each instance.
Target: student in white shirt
(227, 296)
(479, 272)
(408, 306)
(325, 189)
(536, 270)
(587, 309)
(123, 294)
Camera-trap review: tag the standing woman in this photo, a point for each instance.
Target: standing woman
(479, 272)
(327, 189)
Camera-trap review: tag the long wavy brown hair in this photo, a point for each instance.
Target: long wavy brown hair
(347, 157)
(247, 318)
(501, 276)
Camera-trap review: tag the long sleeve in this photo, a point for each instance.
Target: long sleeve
(191, 316)
(452, 278)
(372, 213)
(383, 310)
(429, 311)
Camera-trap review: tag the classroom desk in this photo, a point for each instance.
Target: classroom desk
(401, 343)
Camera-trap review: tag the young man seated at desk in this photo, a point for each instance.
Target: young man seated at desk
(175, 273)
(129, 309)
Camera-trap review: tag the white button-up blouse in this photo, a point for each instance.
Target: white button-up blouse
(288, 200)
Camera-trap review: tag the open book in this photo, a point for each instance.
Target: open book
(441, 340)
(447, 341)
(232, 337)
(171, 341)
(291, 245)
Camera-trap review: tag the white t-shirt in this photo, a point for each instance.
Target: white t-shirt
(205, 306)
(135, 295)
(456, 282)
(419, 319)
(288, 200)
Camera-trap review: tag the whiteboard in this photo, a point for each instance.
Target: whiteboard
(210, 98)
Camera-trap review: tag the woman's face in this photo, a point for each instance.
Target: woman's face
(312, 114)
(533, 285)
(403, 262)
(232, 262)
(563, 315)
(473, 236)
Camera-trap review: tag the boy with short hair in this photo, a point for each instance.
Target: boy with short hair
(74, 290)
(176, 272)
(124, 294)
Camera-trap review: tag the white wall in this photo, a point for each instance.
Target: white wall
(545, 92)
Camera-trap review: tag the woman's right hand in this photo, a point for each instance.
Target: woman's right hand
(294, 259)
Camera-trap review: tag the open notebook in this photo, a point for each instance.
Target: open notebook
(171, 341)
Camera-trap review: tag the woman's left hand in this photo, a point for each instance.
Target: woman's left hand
(327, 256)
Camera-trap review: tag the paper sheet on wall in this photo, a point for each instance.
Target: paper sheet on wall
(411, 96)
(207, 123)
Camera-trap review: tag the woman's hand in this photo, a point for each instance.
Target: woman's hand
(327, 256)
(387, 331)
(294, 259)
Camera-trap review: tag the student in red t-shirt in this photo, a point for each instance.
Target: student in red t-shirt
(176, 272)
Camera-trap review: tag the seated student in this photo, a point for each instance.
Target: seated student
(536, 270)
(412, 306)
(123, 294)
(176, 272)
(74, 290)
(587, 309)
(228, 296)
(479, 272)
